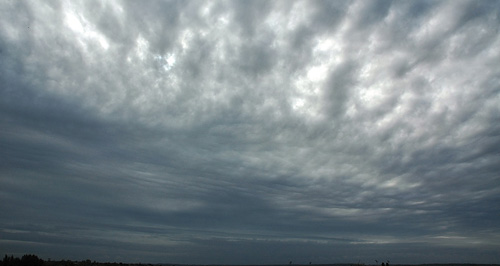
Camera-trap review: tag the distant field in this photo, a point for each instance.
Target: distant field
(33, 260)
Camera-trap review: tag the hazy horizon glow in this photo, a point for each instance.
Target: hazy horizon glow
(250, 132)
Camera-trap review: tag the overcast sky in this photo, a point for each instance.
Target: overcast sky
(243, 132)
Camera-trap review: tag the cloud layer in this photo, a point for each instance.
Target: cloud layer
(251, 131)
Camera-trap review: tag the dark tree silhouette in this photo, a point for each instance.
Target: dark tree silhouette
(26, 260)
(31, 260)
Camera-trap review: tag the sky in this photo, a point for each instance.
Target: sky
(250, 132)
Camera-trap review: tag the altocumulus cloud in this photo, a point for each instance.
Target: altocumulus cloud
(250, 131)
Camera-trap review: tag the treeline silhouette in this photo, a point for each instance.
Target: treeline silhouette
(26, 260)
(33, 260)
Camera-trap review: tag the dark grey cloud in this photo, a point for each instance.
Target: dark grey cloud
(250, 132)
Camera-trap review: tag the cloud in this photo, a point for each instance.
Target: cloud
(250, 132)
